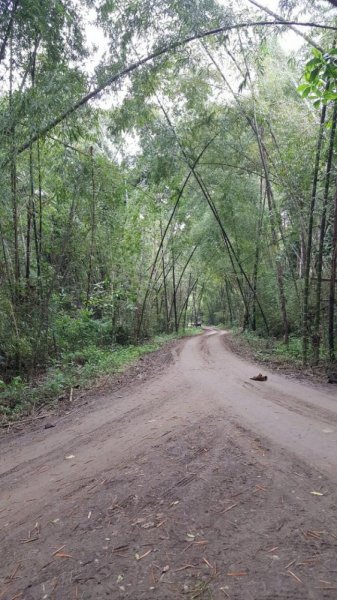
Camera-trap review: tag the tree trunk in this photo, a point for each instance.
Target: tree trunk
(8, 31)
(29, 218)
(93, 224)
(179, 196)
(271, 204)
(164, 283)
(309, 242)
(257, 253)
(332, 295)
(319, 269)
(13, 176)
(176, 325)
(229, 303)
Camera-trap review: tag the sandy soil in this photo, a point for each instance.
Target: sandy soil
(190, 481)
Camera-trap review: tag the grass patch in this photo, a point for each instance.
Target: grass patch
(271, 349)
(80, 369)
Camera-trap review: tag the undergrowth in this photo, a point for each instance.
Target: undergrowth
(275, 350)
(74, 369)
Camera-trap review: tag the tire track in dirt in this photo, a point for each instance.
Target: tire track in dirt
(296, 405)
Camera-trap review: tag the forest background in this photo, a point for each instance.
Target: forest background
(182, 170)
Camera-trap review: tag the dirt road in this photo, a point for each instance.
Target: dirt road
(191, 482)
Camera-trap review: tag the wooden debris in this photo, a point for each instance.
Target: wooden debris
(207, 563)
(291, 563)
(63, 555)
(196, 543)
(4, 591)
(56, 581)
(237, 574)
(58, 550)
(120, 549)
(224, 510)
(326, 587)
(294, 576)
(32, 535)
(314, 534)
(259, 377)
(137, 557)
(309, 561)
(11, 576)
(186, 567)
(161, 523)
(259, 488)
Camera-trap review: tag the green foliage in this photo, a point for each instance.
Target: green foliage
(80, 368)
(273, 350)
(84, 269)
(80, 330)
(320, 77)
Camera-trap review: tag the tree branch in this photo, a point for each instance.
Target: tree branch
(156, 54)
(280, 18)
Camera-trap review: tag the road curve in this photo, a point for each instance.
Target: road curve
(204, 378)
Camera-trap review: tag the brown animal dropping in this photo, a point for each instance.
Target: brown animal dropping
(259, 377)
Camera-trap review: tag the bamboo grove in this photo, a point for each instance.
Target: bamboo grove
(188, 173)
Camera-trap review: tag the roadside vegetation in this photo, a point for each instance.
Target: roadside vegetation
(69, 375)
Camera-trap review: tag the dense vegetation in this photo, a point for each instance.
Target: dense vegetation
(188, 173)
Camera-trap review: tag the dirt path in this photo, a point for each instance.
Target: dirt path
(195, 483)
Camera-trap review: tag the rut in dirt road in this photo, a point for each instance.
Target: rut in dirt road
(195, 483)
